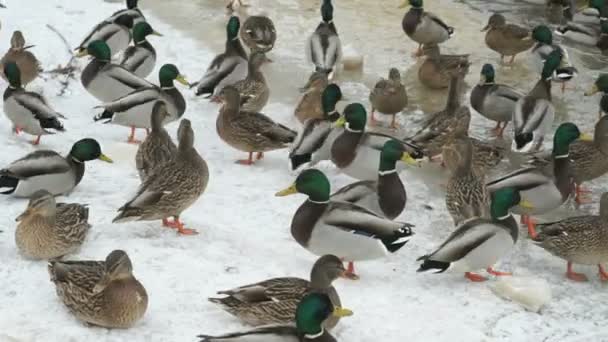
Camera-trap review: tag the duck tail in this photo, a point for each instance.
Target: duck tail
(227, 303)
(106, 115)
(127, 214)
(52, 123)
(298, 159)
(399, 238)
(429, 264)
(8, 184)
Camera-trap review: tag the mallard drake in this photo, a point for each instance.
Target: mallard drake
(115, 32)
(132, 10)
(171, 188)
(310, 105)
(324, 48)
(228, 67)
(466, 194)
(601, 84)
(28, 111)
(507, 39)
(105, 80)
(258, 33)
(565, 71)
(424, 27)
(254, 89)
(346, 230)
(389, 96)
(494, 101)
(49, 230)
(385, 197)
(103, 293)
(436, 70)
(312, 311)
(274, 301)
(47, 170)
(135, 108)
(26, 61)
(578, 240)
(158, 148)
(580, 33)
(314, 140)
(141, 57)
(545, 189)
(356, 152)
(249, 131)
(480, 242)
(534, 113)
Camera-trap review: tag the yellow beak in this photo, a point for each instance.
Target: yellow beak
(594, 89)
(105, 158)
(585, 137)
(342, 312)
(289, 191)
(154, 33)
(81, 53)
(182, 79)
(406, 158)
(526, 204)
(340, 122)
(405, 4)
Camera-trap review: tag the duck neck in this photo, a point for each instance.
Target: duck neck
(387, 167)
(234, 44)
(332, 115)
(542, 89)
(454, 94)
(318, 197)
(319, 279)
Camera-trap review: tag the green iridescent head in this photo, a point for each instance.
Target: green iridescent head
(565, 135)
(327, 11)
(552, 63)
(542, 34)
(330, 97)
(99, 50)
(503, 200)
(86, 150)
(233, 27)
(142, 30)
(355, 117)
(169, 73)
(392, 152)
(13, 74)
(313, 310)
(310, 182)
(487, 74)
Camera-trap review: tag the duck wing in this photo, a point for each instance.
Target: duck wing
(266, 127)
(440, 22)
(81, 274)
(513, 31)
(221, 68)
(37, 163)
(126, 77)
(272, 290)
(135, 98)
(358, 220)
(288, 333)
(523, 179)
(102, 31)
(40, 109)
(355, 192)
(311, 137)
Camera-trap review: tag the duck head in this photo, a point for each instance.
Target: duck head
(86, 150)
(312, 311)
(354, 119)
(310, 182)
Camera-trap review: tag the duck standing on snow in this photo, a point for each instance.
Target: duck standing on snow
(424, 27)
(479, 243)
(141, 57)
(253, 89)
(47, 170)
(249, 131)
(579, 240)
(389, 96)
(600, 85)
(26, 61)
(132, 10)
(351, 232)
(565, 71)
(493, 100)
(50, 230)
(102, 293)
(310, 105)
(507, 39)
(436, 70)
(274, 301)
(258, 33)
(324, 49)
(158, 148)
(311, 313)
(116, 33)
(172, 188)
(105, 80)
(228, 67)
(28, 111)
(135, 109)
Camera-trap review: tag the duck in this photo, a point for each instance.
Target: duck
(228, 67)
(424, 27)
(353, 233)
(356, 152)
(314, 140)
(238, 6)
(324, 48)
(435, 70)
(253, 89)
(135, 108)
(258, 33)
(103, 293)
(274, 301)
(116, 33)
(312, 311)
(385, 197)
(29, 112)
(48, 170)
(602, 41)
(479, 242)
(580, 33)
(543, 49)
(389, 96)
(50, 230)
(466, 195)
(158, 148)
(545, 188)
(507, 39)
(105, 80)
(140, 58)
(132, 10)
(600, 85)
(560, 11)
(170, 190)
(486, 154)
(578, 240)
(310, 105)
(249, 131)
(26, 61)
(494, 101)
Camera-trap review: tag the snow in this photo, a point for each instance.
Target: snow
(245, 230)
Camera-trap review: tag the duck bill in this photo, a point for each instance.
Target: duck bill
(487, 27)
(81, 53)
(340, 122)
(526, 204)
(101, 285)
(408, 159)
(594, 89)
(291, 190)
(405, 4)
(342, 312)
(154, 33)
(28, 47)
(585, 137)
(24, 214)
(105, 158)
(182, 79)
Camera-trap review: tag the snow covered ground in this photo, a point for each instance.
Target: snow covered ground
(245, 229)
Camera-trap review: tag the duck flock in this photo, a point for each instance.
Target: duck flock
(355, 223)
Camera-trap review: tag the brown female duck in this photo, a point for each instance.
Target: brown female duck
(389, 96)
(158, 148)
(436, 70)
(310, 105)
(20, 54)
(507, 39)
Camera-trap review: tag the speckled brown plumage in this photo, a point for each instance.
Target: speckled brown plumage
(158, 148)
(258, 33)
(436, 70)
(389, 95)
(590, 158)
(507, 39)
(310, 105)
(26, 61)
(253, 89)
